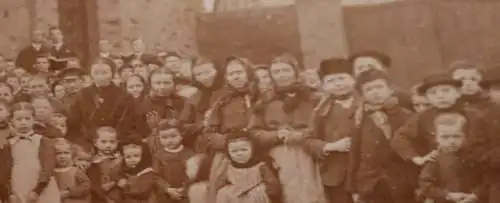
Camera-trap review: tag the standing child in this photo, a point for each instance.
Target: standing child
(249, 178)
(452, 178)
(169, 163)
(138, 182)
(29, 160)
(74, 185)
(104, 171)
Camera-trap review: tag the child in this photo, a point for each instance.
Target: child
(332, 127)
(142, 70)
(6, 92)
(169, 163)
(249, 179)
(29, 160)
(74, 185)
(42, 65)
(138, 182)
(451, 178)
(420, 103)
(125, 72)
(376, 173)
(262, 79)
(470, 77)
(414, 141)
(44, 108)
(83, 159)
(4, 123)
(14, 82)
(104, 171)
(58, 90)
(135, 86)
(60, 121)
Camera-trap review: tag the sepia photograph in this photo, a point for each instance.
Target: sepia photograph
(249, 101)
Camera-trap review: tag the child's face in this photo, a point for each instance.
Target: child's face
(205, 74)
(173, 63)
(14, 82)
(470, 79)
(449, 137)
(118, 62)
(135, 86)
(43, 109)
(311, 78)
(64, 156)
(106, 142)
(132, 155)
(236, 75)
(152, 67)
(38, 86)
(25, 82)
(22, 121)
(136, 63)
(126, 73)
(4, 113)
(60, 122)
(264, 78)
(376, 91)
(363, 64)
(117, 80)
(338, 84)
(283, 74)
(83, 161)
(442, 96)
(6, 94)
(59, 91)
(420, 103)
(10, 65)
(142, 70)
(240, 151)
(42, 64)
(162, 84)
(101, 74)
(170, 138)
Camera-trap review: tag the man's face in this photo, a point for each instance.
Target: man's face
(442, 96)
(56, 35)
(72, 83)
(283, 74)
(37, 36)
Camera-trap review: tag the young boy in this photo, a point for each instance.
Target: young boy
(332, 127)
(414, 141)
(71, 79)
(420, 103)
(471, 77)
(42, 65)
(376, 173)
(452, 178)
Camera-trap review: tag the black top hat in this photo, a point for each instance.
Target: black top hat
(334, 66)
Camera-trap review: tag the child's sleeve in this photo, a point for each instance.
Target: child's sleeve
(273, 185)
(354, 159)
(429, 182)
(95, 182)
(404, 136)
(142, 187)
(82, 188)
(160, 183)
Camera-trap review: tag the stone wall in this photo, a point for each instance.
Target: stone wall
(15, 25)
(163, 25)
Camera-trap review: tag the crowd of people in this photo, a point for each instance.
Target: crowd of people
(137, 128)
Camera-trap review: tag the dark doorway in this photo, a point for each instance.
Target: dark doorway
(78, 21)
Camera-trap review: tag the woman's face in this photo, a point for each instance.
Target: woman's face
(101, 74)
(236, 75)
(135, 86)
(283, 74)
(162, 84)
(205, 74)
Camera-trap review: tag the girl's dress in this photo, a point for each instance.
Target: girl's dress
(27, 169)
(140, 187)
(171, 169)
(75, 181)
(255, 184)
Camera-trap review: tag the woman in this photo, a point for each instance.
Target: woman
(281, 123)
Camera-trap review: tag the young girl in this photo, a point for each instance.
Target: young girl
(29, 159)
(138, 182)
(4, 123)
(74, 185)
(136, 86)
(169, 163)
(249, 179)
(44, 108)
(105, 167)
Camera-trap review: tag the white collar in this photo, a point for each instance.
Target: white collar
(58, 45)
(101, 157)
(104, 54)
(32, 136)
(145, 171)
(36, 46)
(179, 149)
(346, 103)
(62, 170)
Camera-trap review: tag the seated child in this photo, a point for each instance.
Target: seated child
(74, 184)
(105, 169)
(451, 178)
(138, 181)
(249, 178)
(169, 162)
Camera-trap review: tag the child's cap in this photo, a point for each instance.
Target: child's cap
(383, 58)
(435, 80)
(463, 64)
(370, 75)
(334, 66)
(70, 72)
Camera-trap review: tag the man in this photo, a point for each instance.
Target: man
(71, 79)
(60, 52)
(27, 57)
